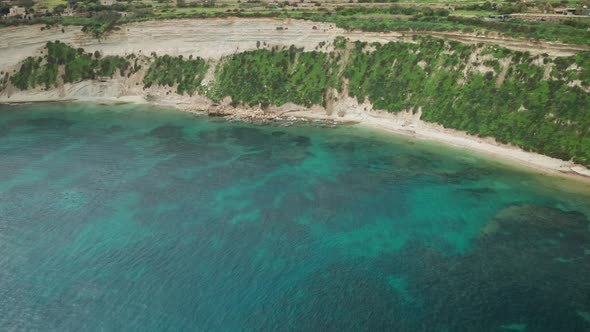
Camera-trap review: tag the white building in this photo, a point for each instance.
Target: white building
(16, 11)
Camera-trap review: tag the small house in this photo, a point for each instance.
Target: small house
(17, 11)
(68, 12)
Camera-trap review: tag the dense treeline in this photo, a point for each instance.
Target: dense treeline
(78, 65)
(276, 77)
(549, 116)
(167, 70)
(30, 75)
(545, 115)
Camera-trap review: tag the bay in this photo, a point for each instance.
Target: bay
(137, 218)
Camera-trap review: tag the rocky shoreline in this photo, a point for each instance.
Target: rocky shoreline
(346, 112)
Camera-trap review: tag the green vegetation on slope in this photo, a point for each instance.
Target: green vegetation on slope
(517, 106)
(30, 75)
(167, 70)
(276, 77)
(78, 65)
(459, 86)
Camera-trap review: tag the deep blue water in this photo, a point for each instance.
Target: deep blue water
(131, 218)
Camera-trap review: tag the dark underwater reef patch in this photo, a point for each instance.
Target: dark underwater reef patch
(511, 277)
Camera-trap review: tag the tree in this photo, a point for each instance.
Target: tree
(4, 9)
(25, 3)
(59, 9)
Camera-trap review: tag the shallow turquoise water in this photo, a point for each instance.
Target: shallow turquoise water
(130, 218)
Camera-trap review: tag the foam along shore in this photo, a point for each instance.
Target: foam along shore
(346, 110)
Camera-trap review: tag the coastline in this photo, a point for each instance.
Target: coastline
(140, 38)
(410, 125)
(345, 111)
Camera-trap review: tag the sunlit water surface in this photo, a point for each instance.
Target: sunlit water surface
(130, 218)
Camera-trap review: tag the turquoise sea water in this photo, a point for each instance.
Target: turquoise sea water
(131, 218)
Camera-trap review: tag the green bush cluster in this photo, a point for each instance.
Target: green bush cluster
(108, 65)
(167, 70)
(276, 76)
(29, 75)
(78, 65)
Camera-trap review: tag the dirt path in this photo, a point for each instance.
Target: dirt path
(214, 38)
(519, 44)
